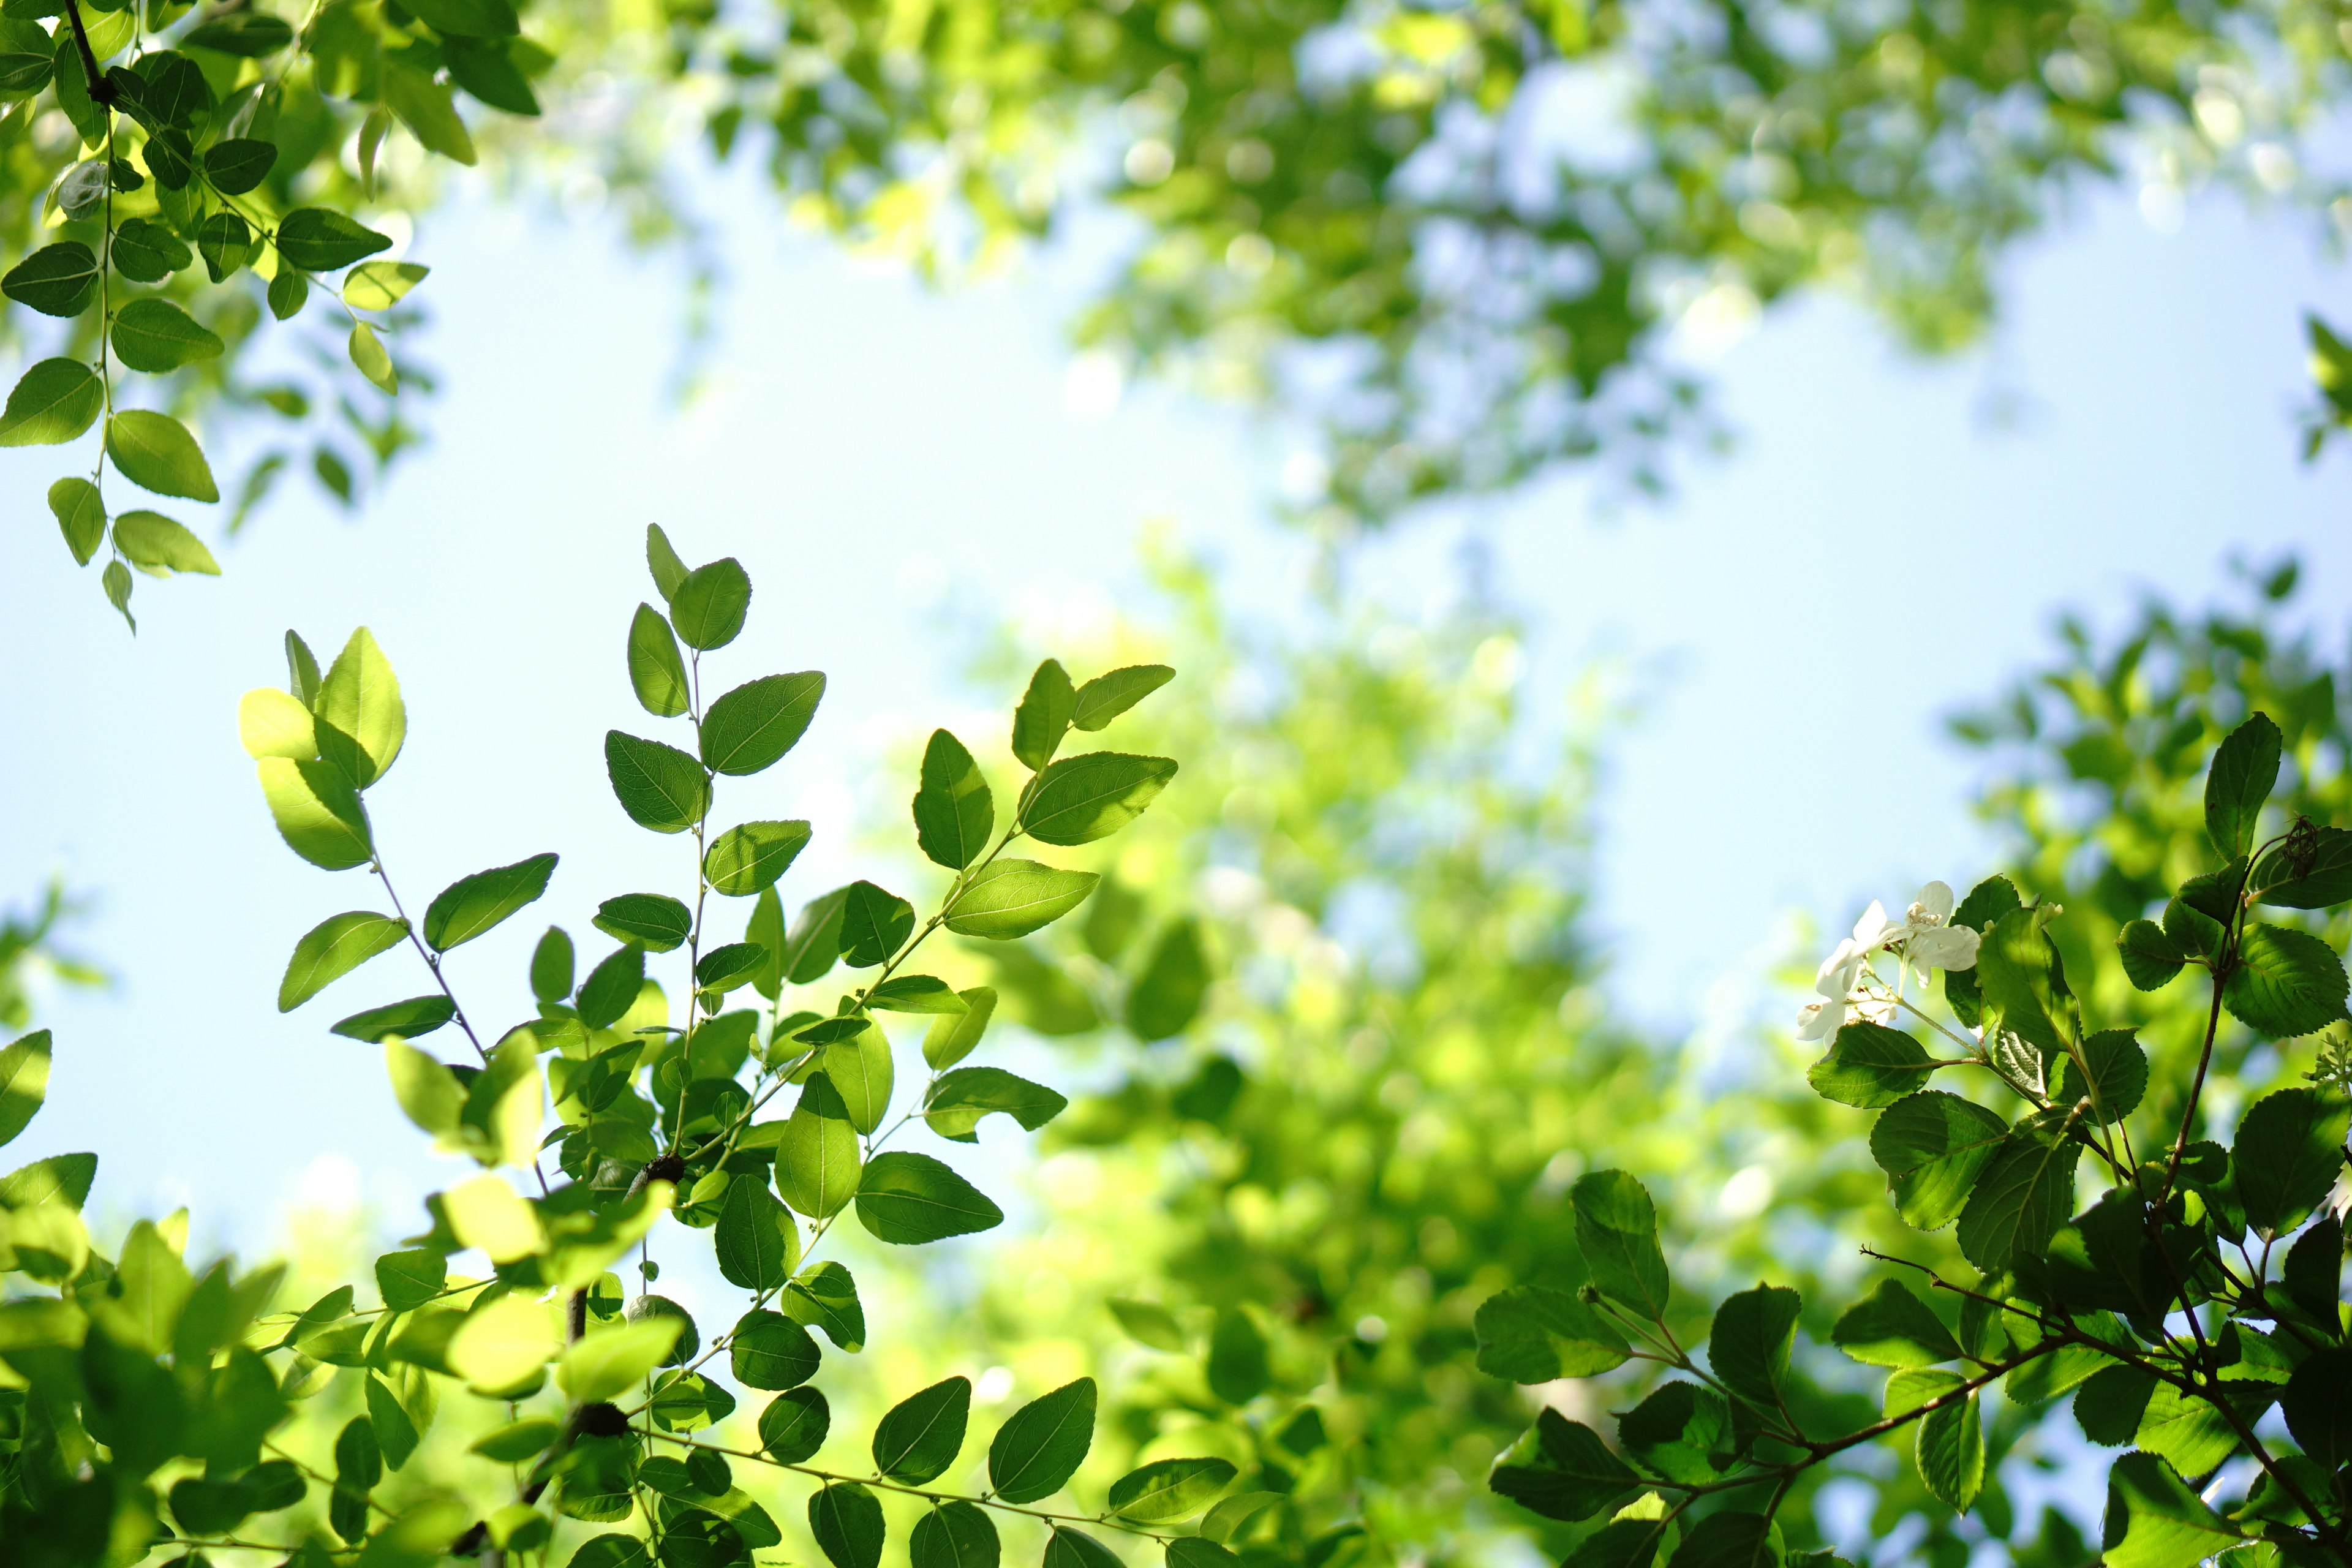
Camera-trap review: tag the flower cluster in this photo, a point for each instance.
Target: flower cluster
(1924, 938)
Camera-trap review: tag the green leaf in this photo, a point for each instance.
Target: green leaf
(1617, 1231)
(755, 724)
(909, 1199)
(659, 786)
(1949, 1445)
(847, 1524)
(916, 994)
(953, 1535)
(1041, 1445)
(1195, 1551)
(1870, 1066)
(1238, 1368)
(1044, 716)
(1749, 1347)
(1894, 1328)
(249, 34)
(814, 944)
(1008, 898)
(722, 969)
(2286, 983)
(289, 291)
(60, 1178)
(146, 252)
(2317, 1405)
(156, 335)
(1678, 1431)
(317, 812)
(954, 812)
(472, 905)
(826, 1298)
(408, 1280)
(2017, 973)
(318, 240)
(381, 285)
(2154, 1519)
(2150, 958)
(657, 671)
(709, 604)
(1166, 1491)
(372, 358)
(1167, 996)
(1561, 1469)
(768, 1350)
(794, 1426)
(518, 1440)
(417, 1015)
(332, 949)
(224, 240)
(552, 966)
(1106, 696)
(746, 859)
(956, 1036)
(874, 924)
(150, 540)
(488, 70)
(766, 927)
(1933, 1146)
(609, 1550)
(239, 163)
(80, 513)
(2187, 1431)
(361, 697)
(919, 1437)
(1731, 1539)
(24, 1082)
(1533, 1334)
(613, 987)
(612, 1361)
(860, 1070)
(653, 920)
(1067, 1548)
(2244, 769)
(2118, 1076)
(1080, 799)
(2290, 1148)
(757, 1239)
(2026, 1193)
(1149, 1323)
(23, 74)
(59, 279)
(960, 1099)
(817, 1153)
(662, 561)
(52, 403)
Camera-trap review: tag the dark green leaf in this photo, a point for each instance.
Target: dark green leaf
(24, 1082)
(919, 1437)
(954, 812)
(2156, 1520)
(1933, 1146)
(1044, 716)
(757, 1239)
(1080, 799)
(332, 949)
(1748, 1349)
(1067, 1548)
(2317, 1406)
(1871, 1066)
(237, 166)
(2287, 983)
(826, 1298)
(724, 968)
(612, 988)
(156, 452)
(2290, 1149)
(288, 293)
(1238, 1367)
(653, 920)
(224, 240)
(656, 672)
(794, 1426)
(250, 35)
(814, 944)
(2118, 1076)
(1166, 997)
(2150, 958)
(417, 1015)
(1106, 696)
(755, 724)
(552, 966)
(709, 604)
(2312, 876)
(768, 1350)
(2244, 769)
(908, 1199)
(486, 70)
(59, 279)
(2111, 1404)
(22, 75)
(1561, 1469)
(659, 786)
(52, 403)
(156, 335)
(1009, 899)
(1617, 1231)
(1680, 1431)
(874, 924)
(1949, 1447)
(1730, 1540)
(847, 1524)
(472, 905)
(1532, 1334)
(953, 1535)
(752, 856)
(2025, 1193)
(2017, 973)
(1041, 1445)
(409, 1280)
(318, 241)
(960, 1099)
(1894, 1328)
(146, 252)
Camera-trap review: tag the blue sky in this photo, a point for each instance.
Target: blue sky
(1798, 616)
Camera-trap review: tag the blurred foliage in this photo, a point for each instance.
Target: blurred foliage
(29, 954)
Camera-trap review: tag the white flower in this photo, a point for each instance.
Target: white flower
(1930, 938)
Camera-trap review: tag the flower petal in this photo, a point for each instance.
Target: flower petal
(1936, 900)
